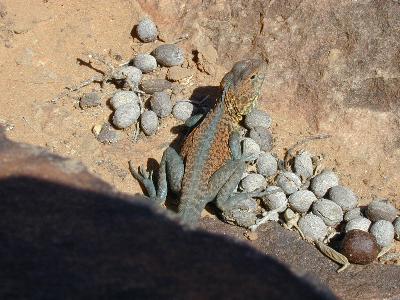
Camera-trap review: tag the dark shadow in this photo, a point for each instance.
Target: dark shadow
(58, 242)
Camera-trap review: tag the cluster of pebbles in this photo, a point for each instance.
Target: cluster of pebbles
(301, 195)
(129, 107)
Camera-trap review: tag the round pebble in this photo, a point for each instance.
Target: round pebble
(263, 137)
(149, 122)
(359, 247)
(107, 134)
(343, 196)
(267, 165)
(313, 227)
(183, 110)
(125, 115)
(90, 100)
(257, 118)
(124, 97)
(251, 149)
(252, 182)
(328, 211)
(381, 210)
(396, 225)
(131, 74)
(169, 55)
(289, 182)
(161, 104)
(301, 201)
(303, 165)
(321, 183)
(244, 214)
(359, 223)
(383, 231)
(145, 62)
(276, 200)
(151, 86)
(352, 214)
(146, 30)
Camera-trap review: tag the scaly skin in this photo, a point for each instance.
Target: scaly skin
(210, 157)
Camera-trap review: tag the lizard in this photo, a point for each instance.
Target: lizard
(210, 163)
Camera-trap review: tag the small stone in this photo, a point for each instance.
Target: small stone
(183, 110)
(123, 97)
(131, 74)
(125, 115)
(289, 182)
(107, 134)
(149, 122)
(301, 201)
(177, 73)
(313, 227)
(359, 247)
(161, 104)
(251, 235)
(321, 183)
(303, 165)
(263, 137)
(252, 182)
(383, 231)
(96, 129)
(360, 223)
(343, 196)
(267, 164)
(276, 200)
(244, 213)
(146, 30)
(151, 86)
(257, 118)
(169, 55)
(381, 210)
(145, 62)
(328, 211)
(250, 148)
(353, 214)
(396, 225)
(90, 100)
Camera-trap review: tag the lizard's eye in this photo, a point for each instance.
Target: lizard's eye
(252, 77)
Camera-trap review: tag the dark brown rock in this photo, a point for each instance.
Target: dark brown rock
(360, 247)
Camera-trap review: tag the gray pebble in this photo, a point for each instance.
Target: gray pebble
(343, 196)
(107, 134)
(276, 200)
(267, 164)
(257, 118)
(183, 110)
(90, 100)
(322, 182)
(313, 227)
(252, 182)
(303, 165)
(149, 122)
(289, 182)
(243, 214)
(301, 201)
(169, 55)
(161, 104)
(328, 211)
(131, 74)
(396, 225)
(383, 231)
(381, 210)
(151, 86)
(263, 137)
(353, 214)
(145, 62)
(250, 148)
(125, 115)
(359, 223)
(146, 30)
(123, 97)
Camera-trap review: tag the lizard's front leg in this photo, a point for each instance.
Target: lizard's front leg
(170, 174)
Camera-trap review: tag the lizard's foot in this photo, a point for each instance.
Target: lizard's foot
(144, 177)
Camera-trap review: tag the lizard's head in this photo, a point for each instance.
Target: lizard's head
(242, 86)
